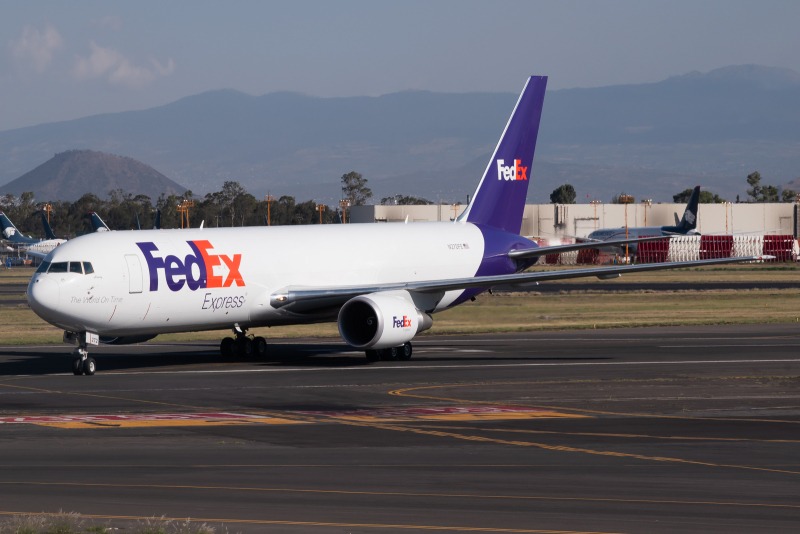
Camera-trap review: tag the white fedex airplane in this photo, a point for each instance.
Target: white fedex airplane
(380, 282)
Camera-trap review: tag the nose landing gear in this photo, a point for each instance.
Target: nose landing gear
(83, 364)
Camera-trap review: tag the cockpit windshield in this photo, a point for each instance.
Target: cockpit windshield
(58, 267)
(76, 267)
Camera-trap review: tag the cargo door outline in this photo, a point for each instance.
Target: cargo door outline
(135, 278)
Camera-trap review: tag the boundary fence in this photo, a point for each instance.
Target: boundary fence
(785, 248)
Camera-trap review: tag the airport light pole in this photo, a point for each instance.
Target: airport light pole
(48, 209)
(626, 199)
(269, 199)
(344, 204)
(595, 203)
(183, 208)
(320, 208)
(454, 207)
(646, 202)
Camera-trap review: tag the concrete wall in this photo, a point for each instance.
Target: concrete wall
(581, 219)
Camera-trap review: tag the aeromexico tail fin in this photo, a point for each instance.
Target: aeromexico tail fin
(138, 226)
(97, 223)
(48, 232)
(9, 232)
(499, 200)
(689, 221)
(157, 224)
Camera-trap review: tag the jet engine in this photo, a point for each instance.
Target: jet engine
(380, 321)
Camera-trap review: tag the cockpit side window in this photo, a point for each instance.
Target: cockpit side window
(75, 267)
(58, 267)
(87, 267)
(43, 267)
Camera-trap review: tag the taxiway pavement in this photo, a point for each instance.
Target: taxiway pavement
(638, 430)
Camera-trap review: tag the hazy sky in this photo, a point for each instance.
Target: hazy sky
(62, 60)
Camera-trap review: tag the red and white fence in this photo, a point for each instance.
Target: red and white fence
(785, 248)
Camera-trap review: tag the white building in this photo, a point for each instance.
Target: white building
(544, 220)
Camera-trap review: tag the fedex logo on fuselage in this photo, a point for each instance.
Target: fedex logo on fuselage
(180, 272)
(402, 322)
(513, 172)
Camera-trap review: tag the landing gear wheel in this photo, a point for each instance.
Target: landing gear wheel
(226, 347)
(390, 354)
(373, 355)
(244, 347)
(77, 367)
(260, 346)
(405, 351)
(89, 366)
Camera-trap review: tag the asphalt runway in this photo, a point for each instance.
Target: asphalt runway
(657, 430)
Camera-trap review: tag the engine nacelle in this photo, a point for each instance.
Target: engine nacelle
(379, 321)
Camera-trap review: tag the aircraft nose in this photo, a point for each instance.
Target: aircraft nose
(43, 294)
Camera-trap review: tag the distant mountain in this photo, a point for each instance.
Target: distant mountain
(712, 129)
(71, 174)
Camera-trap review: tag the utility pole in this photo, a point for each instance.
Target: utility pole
(454, 207)
(48, 209)
(269, 199)
(344, 204)
(320, 209)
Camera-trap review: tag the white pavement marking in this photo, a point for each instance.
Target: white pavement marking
(418, 367)
(740, 345)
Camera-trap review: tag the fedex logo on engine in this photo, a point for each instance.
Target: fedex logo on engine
(181, 272)
(513, 172)
(402, 322)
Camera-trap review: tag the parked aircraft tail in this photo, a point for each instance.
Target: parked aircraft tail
(138, 226)
(97, 223)
(689, 221)
(157, 224)
(10, 232)
(499, 200)
(48, 232)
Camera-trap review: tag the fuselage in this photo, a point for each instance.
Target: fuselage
(159, 281)
(613, 234)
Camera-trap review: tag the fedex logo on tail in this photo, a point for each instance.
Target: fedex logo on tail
(181, 272)
(513, 172)
(402, 322)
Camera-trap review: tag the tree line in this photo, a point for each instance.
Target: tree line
(566, 194)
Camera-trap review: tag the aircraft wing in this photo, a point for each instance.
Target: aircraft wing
(36, 253)
(573, 236)
(306, 299)
(557, 249)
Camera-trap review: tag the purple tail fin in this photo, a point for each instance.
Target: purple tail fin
(499, 200)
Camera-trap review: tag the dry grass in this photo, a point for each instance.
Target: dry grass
(72, 523)
(512, 312)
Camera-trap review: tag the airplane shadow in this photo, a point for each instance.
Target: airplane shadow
(15, 361)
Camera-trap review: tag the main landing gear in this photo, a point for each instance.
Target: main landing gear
(403, 352)
(242, 345)
(83, 364)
